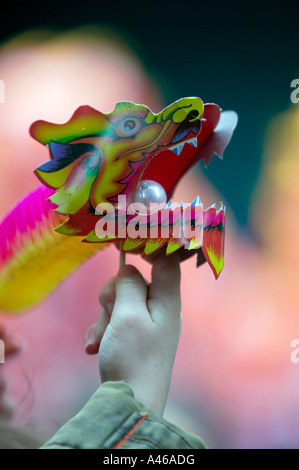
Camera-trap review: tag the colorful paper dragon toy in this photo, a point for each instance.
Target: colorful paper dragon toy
(110, 179)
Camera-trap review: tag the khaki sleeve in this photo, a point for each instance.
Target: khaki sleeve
(113, 419)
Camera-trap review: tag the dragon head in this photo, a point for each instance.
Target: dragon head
(95, 157)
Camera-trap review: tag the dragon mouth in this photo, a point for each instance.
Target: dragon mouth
(182, 132)
(162, 168)
(177, 149)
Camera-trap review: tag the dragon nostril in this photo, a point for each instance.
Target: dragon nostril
(192, 114)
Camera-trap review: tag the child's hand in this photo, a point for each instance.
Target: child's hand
(11, 347)
(138, 330)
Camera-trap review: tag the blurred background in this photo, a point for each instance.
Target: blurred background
(234, 383)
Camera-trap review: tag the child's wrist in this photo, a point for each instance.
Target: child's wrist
(153, 396)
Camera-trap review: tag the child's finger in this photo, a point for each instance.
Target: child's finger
(107, 295)
(131, 292)
(91, 343)
(95, 333)
(164, 291)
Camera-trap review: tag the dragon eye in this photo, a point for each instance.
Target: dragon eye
(128, 127)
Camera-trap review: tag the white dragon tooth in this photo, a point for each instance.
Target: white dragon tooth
(173, 149)
(177, 149)
(192, 141)
(180, 148)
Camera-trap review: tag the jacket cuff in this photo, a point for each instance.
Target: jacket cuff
(113, 419)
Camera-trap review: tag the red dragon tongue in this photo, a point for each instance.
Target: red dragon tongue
(213, 238)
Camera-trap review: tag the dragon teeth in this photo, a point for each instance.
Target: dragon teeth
(192, 141)
(177, 149)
